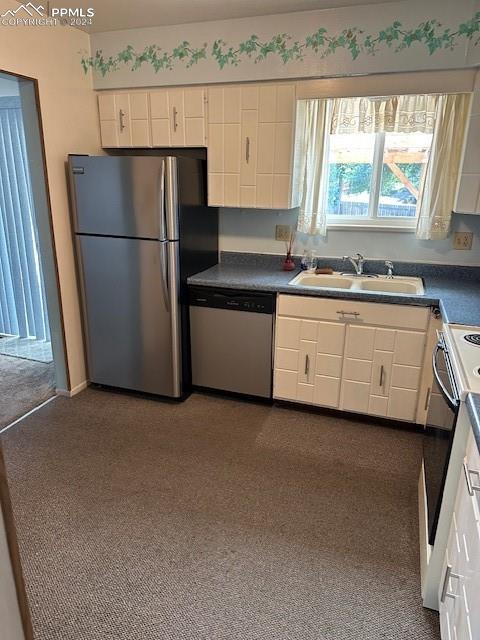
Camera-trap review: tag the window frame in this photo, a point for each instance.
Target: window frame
(373, 220)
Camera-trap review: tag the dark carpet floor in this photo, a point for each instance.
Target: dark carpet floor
(24, 385)
(215, 519)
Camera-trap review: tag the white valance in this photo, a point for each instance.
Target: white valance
(400, 114)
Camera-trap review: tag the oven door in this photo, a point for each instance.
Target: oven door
(437, 442)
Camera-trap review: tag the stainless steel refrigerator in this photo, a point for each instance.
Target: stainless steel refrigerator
(141, 227)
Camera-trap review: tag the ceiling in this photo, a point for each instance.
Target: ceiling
(111, 15)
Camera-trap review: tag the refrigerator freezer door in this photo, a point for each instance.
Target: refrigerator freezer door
(119, 196)
(130, 311)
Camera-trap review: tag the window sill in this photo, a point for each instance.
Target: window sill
(370, 227)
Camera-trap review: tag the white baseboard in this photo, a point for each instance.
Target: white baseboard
(425, 548)
(72, 392)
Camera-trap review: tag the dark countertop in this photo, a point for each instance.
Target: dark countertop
(473, 406)
(458, 297)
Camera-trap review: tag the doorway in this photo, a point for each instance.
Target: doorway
(27, 357)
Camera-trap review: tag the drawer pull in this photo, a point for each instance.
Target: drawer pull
(471, 488)
(348, 313)
(307, 365)
(175, 123)
(427, 398)
(382, 371)
(448, 574)
(121, 115)
(247, 149)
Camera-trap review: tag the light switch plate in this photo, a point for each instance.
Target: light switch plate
(463, 240)
(282, 232)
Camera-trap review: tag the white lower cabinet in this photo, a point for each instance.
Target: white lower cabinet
(459, 591)
(342, 362)
(308, 360)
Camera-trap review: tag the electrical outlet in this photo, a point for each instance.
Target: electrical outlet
(462, 240)
(282, 232)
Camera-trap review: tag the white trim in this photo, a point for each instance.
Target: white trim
(425, 548)
(12, 424)
(400, 83)
(66, 393)
(349, 226)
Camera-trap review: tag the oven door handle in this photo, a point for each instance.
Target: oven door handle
(451, 401)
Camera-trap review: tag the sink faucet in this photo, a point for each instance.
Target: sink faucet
(357, 262)
(389, 265)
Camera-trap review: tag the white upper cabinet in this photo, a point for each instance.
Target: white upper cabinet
(468, 194)
(162, 118)
(124, 119)
(248, 130)
(250, 145)
(178, 117)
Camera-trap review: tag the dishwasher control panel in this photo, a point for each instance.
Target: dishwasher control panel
(233, 299)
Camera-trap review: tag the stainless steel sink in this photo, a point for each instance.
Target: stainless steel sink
(380, 284)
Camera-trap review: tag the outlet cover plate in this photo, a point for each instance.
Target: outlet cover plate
(282, 232)
(462, 240)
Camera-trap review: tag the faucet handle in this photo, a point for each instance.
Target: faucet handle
(389, 265)
(360, 257)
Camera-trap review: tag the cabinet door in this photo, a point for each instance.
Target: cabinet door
(382, 370)
(160, 118)
(287, 354)
(329, 362)
(405, 374)
(468, 194)
(357, 369)
(109, 120)
(194, 105)
(254, 124)
(140, 120)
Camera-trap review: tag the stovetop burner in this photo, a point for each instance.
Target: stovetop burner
(473, 338)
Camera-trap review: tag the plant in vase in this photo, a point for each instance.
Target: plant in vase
(289, 264)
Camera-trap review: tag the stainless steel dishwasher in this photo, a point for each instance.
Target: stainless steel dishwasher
(231, 335)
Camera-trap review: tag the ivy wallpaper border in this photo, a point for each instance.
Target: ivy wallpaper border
(431, 34)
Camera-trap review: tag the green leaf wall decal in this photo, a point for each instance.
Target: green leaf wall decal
(431, 34)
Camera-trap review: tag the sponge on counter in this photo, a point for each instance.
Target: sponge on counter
(324, 270)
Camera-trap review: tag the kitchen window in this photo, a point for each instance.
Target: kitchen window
(388, 162)
(374, 178)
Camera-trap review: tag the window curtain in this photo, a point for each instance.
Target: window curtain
(23, 309)
(400, 114)
(437, 192)
(310, 154)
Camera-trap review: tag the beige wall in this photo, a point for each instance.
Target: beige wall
(69, 118)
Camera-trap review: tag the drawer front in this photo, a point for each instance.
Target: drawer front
(372, 313)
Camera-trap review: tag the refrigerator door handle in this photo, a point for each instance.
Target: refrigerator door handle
(174, 301)
(164, 275)
(171, 198)
(161, 197)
